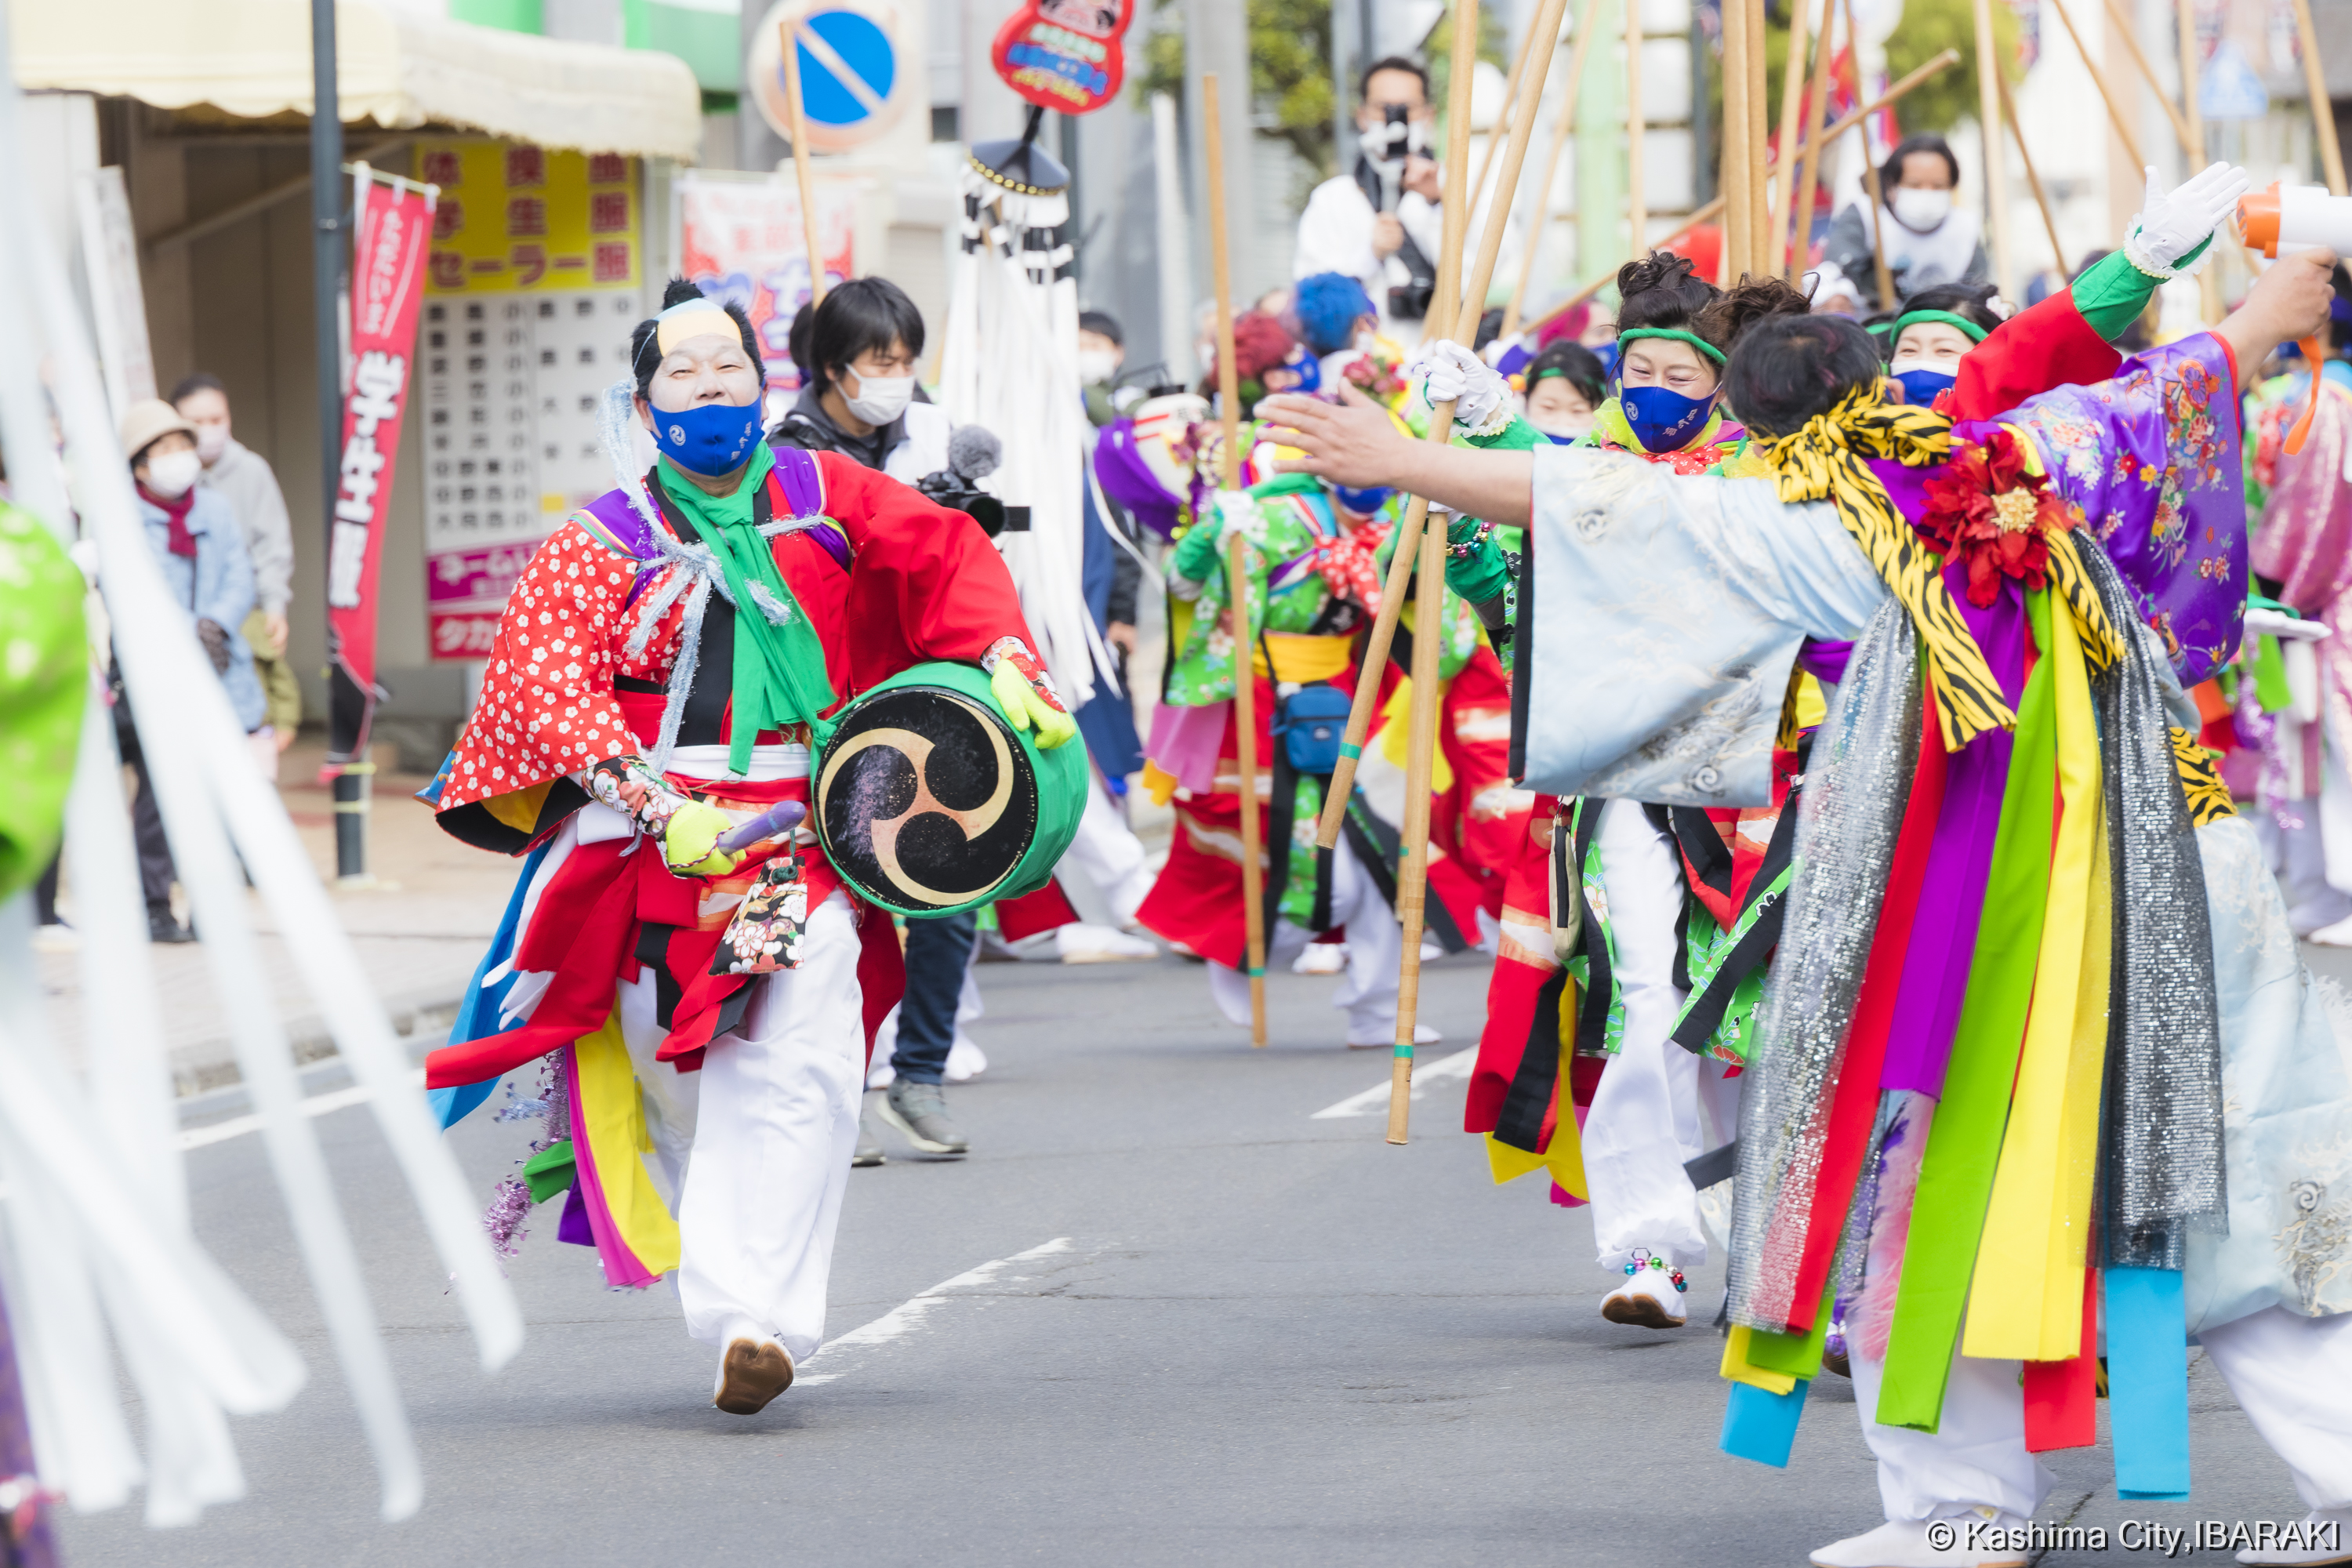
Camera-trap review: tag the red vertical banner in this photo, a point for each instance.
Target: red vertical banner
(393, 223)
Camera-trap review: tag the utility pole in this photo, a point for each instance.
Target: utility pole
(347, 705)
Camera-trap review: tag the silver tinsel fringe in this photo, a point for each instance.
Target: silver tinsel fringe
(1857, 784)
(2160, 1140)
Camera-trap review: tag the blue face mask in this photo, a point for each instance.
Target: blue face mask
(1920, 386)
(1663, 420)
(1363, 503)
(709, 439)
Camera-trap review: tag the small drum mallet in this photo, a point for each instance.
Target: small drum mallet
(780, 817)
(1229, 398)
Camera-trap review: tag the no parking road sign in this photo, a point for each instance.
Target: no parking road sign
(855, 81)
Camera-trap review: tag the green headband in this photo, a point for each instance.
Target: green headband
(1700, 343)
(1894, 331)
(1549, 370)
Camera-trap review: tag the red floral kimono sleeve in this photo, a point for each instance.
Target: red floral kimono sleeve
(547, 708)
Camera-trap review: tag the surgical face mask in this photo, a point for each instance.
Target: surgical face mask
(1096, 367)
(212, 441)
(1921, 379)
(1662, 419)
(1363, 503)
(1920, 210)
(709, 439)
(170, 474)
(880, 398)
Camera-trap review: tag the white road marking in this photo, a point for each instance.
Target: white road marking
(908, 1316)
(317, 1105)
(1374, 1101)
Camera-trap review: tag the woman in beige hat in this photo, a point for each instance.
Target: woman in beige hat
(196, 543)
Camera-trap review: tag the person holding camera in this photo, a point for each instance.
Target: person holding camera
(1381, 224)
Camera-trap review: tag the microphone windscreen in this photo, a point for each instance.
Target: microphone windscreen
(974, 451)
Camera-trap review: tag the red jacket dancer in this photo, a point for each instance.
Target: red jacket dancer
(665, 668)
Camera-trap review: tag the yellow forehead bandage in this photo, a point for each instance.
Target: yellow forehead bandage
(695, 319)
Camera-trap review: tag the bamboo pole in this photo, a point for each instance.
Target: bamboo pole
(1637, 200)
(2209, 282)
(2323, 114)
(1809, 177)
(1881, 274)
(1759, 140)
(1458, 305)
(1511, 110)
(1412, 862)
(796, 112)
(1551, 167)
(1229, 398)
(2128, 34)
(1444, 309)
(1732, 166)
(2050, 224)
(1846, 123)
(1996, 160)
(1784, 167)
(2115, 115)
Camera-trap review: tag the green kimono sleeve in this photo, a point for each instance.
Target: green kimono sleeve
(2112, 292)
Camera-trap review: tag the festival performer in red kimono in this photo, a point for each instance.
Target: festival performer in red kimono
(665, 668)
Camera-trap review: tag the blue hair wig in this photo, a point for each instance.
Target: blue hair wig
(1327, 305)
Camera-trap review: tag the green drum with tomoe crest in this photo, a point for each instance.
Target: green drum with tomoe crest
(927, 802)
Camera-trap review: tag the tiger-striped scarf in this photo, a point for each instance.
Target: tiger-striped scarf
(1825, 461)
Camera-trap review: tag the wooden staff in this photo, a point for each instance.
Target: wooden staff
(1552, 168)
(2323, 116)
(1731, 169)
(2210, 280)
(1784, 167)
(796, 112)
(1996, 170)
(1637, 200)
(2125, 30)
(1759, 140)
(2009, 112)
(2116, 116)
(1512, 109)
(1229, 396)
(1809, 177)
(1412, 862)
(1449, 304)
(1880, 272)
(1940, 64)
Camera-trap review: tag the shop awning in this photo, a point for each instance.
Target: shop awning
(401, 71)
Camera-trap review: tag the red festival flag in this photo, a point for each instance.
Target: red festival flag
(394, 222)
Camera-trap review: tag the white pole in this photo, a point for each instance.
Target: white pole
(1175, 243)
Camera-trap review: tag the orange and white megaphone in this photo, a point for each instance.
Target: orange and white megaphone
(2279, 222)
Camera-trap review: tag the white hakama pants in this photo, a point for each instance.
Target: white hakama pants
(1657, 1104)
(755, 1148)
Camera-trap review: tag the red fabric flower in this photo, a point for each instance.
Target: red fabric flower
(1985, 509)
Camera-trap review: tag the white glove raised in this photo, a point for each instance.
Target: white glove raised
(2170, 226)
(1448, 373)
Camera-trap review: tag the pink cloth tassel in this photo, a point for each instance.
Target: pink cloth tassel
(1185, 742)
(1872, 1321)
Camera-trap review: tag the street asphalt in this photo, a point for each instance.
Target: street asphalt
(1243, 1336)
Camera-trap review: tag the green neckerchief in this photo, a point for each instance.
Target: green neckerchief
(1609, 424)
(779, 674)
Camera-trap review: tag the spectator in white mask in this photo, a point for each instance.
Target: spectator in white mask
(244, 477)
(1381, 224)
(1930, 242)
